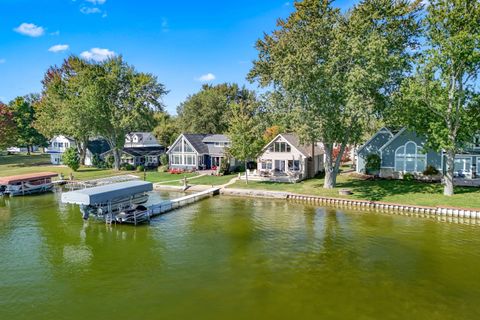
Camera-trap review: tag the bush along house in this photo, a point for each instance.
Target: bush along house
(286, 159)
(192, 152)
(403, 152)
(141, 148)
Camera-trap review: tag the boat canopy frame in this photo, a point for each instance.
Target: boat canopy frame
(107, 193)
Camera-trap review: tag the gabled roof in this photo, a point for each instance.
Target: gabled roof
(98, 146)
(144, 151)
(294, 141)
(216, 138)
(382, 130)
(392, 139)
(203, 143)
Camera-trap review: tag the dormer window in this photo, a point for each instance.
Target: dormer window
(280, 147)
(476, 141)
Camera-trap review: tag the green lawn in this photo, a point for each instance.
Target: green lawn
(207, 180)
(154, 176)
(21, 164)
(396, 191)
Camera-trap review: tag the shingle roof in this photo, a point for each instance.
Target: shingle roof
(196, 140)
(306, 150)
(216, 138)
(144, 151)
(98, 146)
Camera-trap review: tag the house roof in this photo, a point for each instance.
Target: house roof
(98, 146)
(384, 130)
(144, 151)
(305, 149)
(196, 140)
(216, 138)
(294, 141)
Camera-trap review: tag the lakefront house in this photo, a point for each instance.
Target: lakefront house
(285, 158)
(403, 151)
(57, 146)
(199, 152)
(141, 148)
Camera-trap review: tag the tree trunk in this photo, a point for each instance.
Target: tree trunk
(448, 178)
(332, 167)
(246, 172)
(330, 177)
(116, 158)
(82, 150)
(28, 150)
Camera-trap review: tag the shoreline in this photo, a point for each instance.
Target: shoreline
(472, 214)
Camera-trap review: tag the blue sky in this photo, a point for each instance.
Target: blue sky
(183, 43)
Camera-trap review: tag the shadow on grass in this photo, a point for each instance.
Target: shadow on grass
(377, 190)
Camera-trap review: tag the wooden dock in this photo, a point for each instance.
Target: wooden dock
(169, 205)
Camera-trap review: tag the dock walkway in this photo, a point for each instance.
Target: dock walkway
(168, 205)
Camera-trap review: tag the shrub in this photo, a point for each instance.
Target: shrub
(408, 176)
(373, 163)
(71, 159)
(109, 161)
(164, 159)
(240, 168)
(224, 167)
(140, 168)
(431, 171)
(98, 162)
(127, 166)
(162, 169)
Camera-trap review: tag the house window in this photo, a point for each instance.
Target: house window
(177, 147)
(463, 166)
(190, 159)
(176, 159)
(280, 147)
(60, 144)
(294, 165)
(54, 144)
(187, 147)
(410, 158)
(267, 165)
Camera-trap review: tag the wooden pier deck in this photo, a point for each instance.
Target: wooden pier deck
(169, 205)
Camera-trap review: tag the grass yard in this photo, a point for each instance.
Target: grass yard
(396, 191)
(21, 164)
(206, 180)
(154, 176)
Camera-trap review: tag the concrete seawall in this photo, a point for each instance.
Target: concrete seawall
(453, 214)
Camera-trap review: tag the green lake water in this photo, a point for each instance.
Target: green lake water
(234, 258)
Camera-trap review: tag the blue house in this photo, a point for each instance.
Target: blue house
(403, 151)
(199, 152)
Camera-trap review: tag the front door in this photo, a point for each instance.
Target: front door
(280, 165)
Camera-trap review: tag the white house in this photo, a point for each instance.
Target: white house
(285, 158)
(58, 145)
(140, 140)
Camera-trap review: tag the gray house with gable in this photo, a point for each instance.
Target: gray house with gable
(199, 152)
(403, 151)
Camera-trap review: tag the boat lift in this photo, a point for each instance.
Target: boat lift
(124, 202)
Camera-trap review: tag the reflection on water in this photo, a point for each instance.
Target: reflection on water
(229, 258)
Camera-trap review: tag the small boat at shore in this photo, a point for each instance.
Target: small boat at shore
(106, 202)
(25, 184)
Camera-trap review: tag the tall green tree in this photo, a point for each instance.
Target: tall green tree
(24, 116)
(71, 159)
(441, 101)
(208, 110)
(166, 128)
(245, 133)
(8, 129)
(67, 104)
(337, 69)
(125, 100)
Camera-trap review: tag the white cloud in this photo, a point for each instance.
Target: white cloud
(86, 10)
(30, 29)
(56, 33)
(206, 77)
(2, 61)
(95, 2)
(58, 48)
(97, 54)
